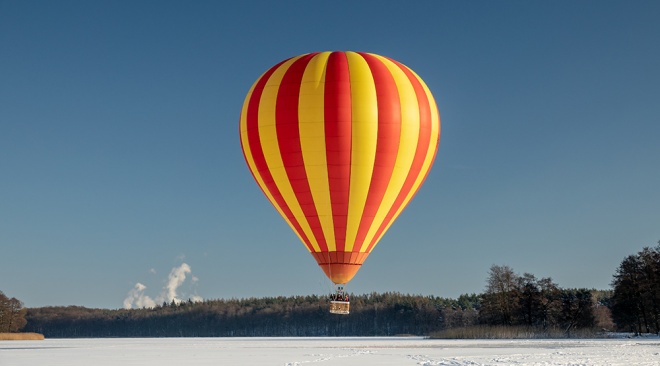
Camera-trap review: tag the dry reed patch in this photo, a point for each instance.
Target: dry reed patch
(512, 332)
(21, 337)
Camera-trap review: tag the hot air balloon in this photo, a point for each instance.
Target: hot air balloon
(339, 142)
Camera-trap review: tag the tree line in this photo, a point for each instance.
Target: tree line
(372, 315)
(375, 314)
(509, 300)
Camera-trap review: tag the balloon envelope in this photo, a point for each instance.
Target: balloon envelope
(339, 142)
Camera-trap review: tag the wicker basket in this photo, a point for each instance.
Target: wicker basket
(339, 307)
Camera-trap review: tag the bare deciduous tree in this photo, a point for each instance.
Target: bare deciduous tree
(12, 314)
(499, 298)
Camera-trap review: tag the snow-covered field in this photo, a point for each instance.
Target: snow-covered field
(327, 351)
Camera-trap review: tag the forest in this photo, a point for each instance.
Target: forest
(372, 315)
(510, 300)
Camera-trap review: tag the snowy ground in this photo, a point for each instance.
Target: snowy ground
(327, 351)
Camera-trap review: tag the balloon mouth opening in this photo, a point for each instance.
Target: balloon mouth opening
(340, 267)
(340, 273)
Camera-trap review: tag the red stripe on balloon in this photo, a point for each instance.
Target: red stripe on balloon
(338, 136)
(387, 145)
(288, 137)
(252, 122)
(424, 141)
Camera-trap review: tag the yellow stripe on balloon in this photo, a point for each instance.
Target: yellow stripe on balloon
(409, 136)
(430, 154)
(312, 141)
(364, 132)
(270, 146)
(244, 134)
(250, 159)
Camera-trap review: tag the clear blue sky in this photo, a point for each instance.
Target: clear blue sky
(120, 157)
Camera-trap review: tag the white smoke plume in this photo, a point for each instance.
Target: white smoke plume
(174, 280)
(196, 298)
(136, 297)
